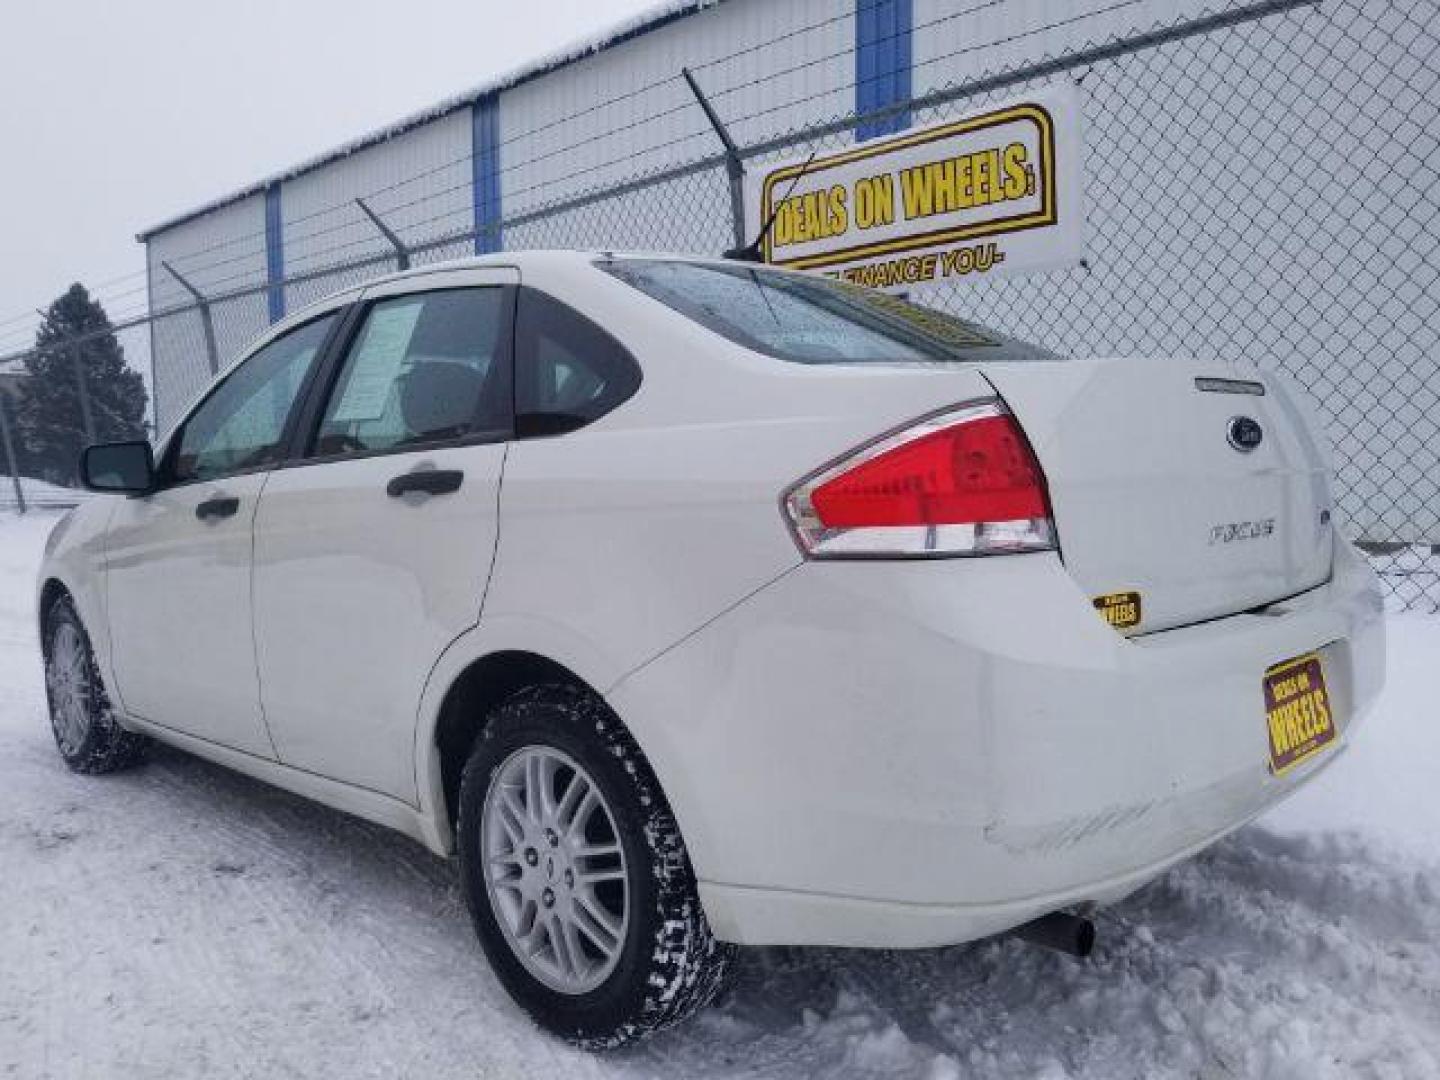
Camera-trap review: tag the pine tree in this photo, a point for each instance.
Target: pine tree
(49, 414)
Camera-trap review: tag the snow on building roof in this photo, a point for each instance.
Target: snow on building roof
(658, 14)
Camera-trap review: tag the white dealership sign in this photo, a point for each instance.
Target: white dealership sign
(994, 191)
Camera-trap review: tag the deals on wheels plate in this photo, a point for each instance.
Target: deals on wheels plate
(1297, 712)
(997, 190)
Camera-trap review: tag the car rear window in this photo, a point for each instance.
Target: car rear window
(814, 320)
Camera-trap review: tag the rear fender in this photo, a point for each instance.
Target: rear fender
(510, 633)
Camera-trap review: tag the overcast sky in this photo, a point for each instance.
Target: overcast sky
(117, 116)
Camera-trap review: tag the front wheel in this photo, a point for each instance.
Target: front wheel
(86, 733)
(576, 875)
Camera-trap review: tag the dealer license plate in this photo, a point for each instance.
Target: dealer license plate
(1297, 711)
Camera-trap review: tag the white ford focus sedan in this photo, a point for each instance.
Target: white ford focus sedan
(693, 604)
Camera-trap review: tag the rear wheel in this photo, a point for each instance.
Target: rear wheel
(86, 733)
(576, 875)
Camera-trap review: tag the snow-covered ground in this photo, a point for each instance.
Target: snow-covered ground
(39, 494)
(180, 921)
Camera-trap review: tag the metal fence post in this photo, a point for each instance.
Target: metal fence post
(207, 324)
(402, 253)
(9, 448)
(734, 166)
(86, 416)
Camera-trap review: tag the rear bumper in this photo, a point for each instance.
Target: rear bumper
(906, 754)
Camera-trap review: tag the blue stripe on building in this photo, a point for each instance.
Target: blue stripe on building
(274, 254)
(485, 166)
(882, 63)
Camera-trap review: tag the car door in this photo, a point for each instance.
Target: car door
(178, 560)
(373, 548)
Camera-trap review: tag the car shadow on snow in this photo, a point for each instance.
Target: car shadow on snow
(1265, 955)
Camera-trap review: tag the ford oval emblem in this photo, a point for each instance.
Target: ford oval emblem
(1244, 433)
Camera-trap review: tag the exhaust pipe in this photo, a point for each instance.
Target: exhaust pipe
(1061, 931)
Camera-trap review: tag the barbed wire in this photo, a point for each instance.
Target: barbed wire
(309, 265)
(254, 241)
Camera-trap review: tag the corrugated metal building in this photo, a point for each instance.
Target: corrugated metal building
(1189, 251)
(601, 115)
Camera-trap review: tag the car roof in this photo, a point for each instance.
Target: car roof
(539, 259)
(521, 260)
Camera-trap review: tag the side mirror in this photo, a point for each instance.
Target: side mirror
(121, 466)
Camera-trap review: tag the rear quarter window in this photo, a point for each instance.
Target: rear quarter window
(809, 319)
(569, 372)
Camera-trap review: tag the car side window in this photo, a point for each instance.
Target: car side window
(424, 368)
(241, 424)
(569, 372)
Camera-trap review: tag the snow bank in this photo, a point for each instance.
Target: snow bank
(40, 494)
(184, 921)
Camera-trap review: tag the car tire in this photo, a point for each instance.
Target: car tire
(663, 961)
(87, 735)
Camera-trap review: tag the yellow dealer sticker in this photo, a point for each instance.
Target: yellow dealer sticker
(1121, 610)
(1297, 711)
(996, 190)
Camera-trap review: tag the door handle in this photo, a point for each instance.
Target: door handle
(428, 481)
(218, 506)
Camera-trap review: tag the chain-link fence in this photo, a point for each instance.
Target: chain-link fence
(1262, 181)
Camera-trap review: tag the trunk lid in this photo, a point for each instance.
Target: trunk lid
(1151, 494)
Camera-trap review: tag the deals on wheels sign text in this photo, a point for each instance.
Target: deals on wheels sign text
(996, 191)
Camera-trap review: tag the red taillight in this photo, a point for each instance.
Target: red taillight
(961, 483)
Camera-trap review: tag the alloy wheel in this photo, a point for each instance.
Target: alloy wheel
(555, 869)
(68, 676)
